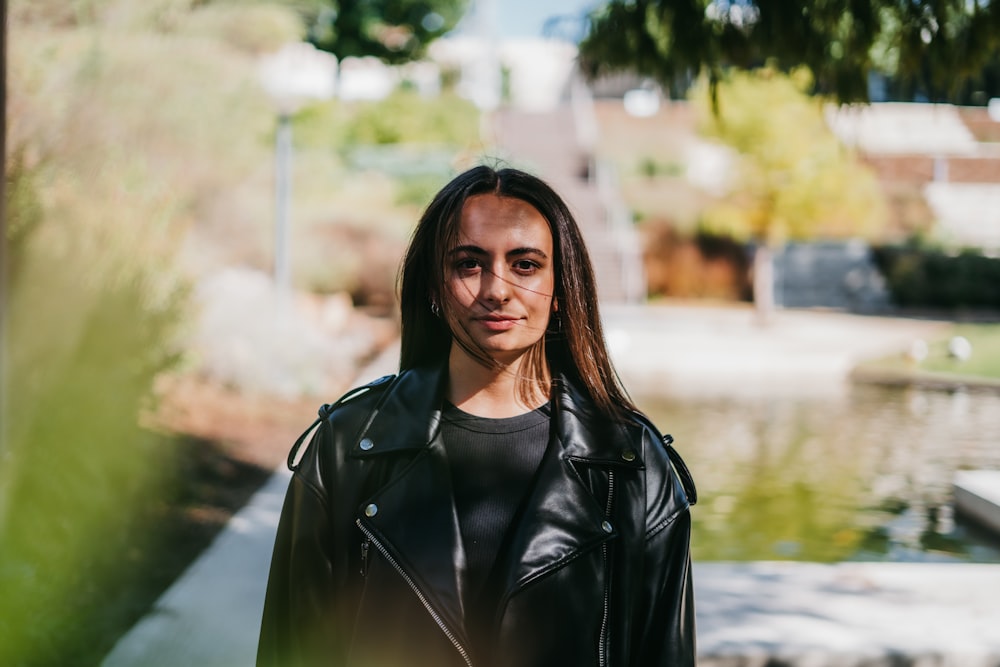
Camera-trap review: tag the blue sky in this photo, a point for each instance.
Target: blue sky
(525, 18)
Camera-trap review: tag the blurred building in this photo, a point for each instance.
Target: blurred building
(950, 154)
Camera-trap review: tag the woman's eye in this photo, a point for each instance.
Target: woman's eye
(467, 264)
(525, 266)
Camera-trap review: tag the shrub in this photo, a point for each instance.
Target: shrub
(702, 265)
(928, 278)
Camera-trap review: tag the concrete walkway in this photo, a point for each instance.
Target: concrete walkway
(754, 615)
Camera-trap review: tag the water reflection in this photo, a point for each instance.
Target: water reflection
(862, 476)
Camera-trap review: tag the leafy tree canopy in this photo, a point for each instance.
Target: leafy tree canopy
(795, 179)
(935, 46)
(395, 31)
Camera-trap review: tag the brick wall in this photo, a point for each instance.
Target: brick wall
(919, 169)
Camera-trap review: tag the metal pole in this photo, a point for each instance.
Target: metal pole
(282, 191)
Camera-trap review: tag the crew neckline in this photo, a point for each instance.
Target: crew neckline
(458, 417)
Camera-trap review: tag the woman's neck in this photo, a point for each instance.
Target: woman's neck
(488, 391)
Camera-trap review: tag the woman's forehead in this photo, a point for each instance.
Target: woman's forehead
(492, 218)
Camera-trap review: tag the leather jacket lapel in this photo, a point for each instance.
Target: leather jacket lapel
(560, 519)
(407, 417)
(564, 516)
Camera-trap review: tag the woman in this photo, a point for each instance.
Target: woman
(499, 501)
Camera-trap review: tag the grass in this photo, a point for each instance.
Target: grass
(981, 368)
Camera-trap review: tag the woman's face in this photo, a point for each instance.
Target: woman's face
(500, 276)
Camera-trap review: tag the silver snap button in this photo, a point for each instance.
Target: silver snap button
(606, 526)
(371, 510)
(628, 455)
(366, 444)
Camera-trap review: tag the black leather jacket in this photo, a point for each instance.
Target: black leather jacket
(368, 563)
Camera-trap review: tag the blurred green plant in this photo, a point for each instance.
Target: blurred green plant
(394, 31)
(920, 276)
(109, 166)
(650, 167)
(933, 47)
(404, 117)
(795, 180)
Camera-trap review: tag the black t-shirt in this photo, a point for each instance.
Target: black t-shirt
(493, 463)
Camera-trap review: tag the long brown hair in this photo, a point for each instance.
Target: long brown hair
(578, 349)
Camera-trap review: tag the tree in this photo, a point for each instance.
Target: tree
(796, 180)
(934, 46)
(394, 31)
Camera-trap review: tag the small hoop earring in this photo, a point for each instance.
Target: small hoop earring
(435, 309)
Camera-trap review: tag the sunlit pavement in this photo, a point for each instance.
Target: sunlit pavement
(692, 349)
(848, 614)
(752, 614)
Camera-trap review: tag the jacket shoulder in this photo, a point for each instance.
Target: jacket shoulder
(359, 398)
(666, 442)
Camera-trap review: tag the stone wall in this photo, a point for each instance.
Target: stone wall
(839, 275)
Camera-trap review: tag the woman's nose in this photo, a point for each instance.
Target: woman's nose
(495, 287)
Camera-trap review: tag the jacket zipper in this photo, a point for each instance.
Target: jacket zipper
(364, 557)
(370, 539)
(602, 645)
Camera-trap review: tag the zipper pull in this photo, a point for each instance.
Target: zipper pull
(364, 557)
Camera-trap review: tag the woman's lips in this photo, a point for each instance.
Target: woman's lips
(498, 323)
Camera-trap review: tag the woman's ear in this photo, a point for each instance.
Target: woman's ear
(555, 304)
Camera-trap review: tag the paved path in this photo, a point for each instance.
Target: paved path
(753, 615)
(703, 350)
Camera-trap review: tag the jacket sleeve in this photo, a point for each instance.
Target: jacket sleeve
(668, 636)
(666, 625)
(300, 625)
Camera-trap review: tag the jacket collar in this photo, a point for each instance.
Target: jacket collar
(406, 417)
(409, 414)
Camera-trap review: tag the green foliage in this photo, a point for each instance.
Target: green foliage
(418, 189)
(929, 278)
(407, 117)
(119, 139)
(937, 45)
(395, 31)
(87, 338)
(650, 167)
(796, 181)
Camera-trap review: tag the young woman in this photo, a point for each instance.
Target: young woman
(500, 501)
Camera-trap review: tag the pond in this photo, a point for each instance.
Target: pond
(865, 475)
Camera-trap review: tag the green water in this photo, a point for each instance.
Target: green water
(863, 476)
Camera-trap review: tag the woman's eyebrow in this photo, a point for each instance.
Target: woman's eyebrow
(476, 250)
(527, 251)
(471, 249)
